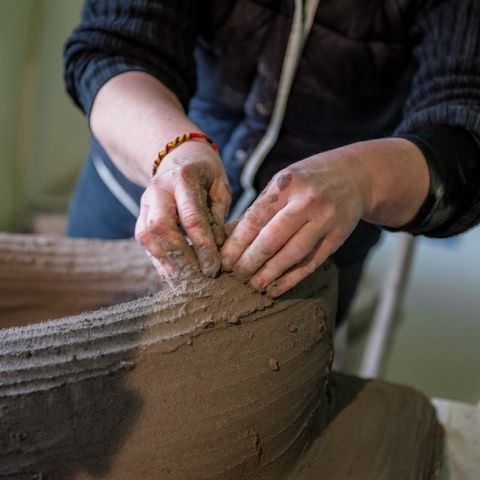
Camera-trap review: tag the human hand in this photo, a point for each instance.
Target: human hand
(303, 216)
(309, 209)
(189, 195)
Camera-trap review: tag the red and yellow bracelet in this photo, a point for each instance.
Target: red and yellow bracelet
(178, 141)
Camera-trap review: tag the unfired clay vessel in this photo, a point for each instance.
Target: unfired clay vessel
(210, 380)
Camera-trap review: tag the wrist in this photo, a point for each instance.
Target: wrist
(133, 117)
(396, 179)
(186, 154)
(177, 142)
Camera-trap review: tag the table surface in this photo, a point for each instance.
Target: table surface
(461, 422)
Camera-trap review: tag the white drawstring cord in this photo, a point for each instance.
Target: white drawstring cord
(301, 26)
(115, 188)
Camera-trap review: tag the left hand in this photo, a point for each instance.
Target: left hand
(301, 218)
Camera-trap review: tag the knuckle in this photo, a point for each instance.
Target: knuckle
(186, 171)
(273, 239)
(313, 197)
(330, 245)
(193, 221)
(329, 213)
(310, 268)
(157, 182)
(299, 254)
(283, 179)
(158, 228)
(141, 236)
(253, 220)
(267, 251)
(249, 230)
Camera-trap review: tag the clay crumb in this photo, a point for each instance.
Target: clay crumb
(274, 365)
(189, 341)
(292, 328)
(128, 364)
(233, 319)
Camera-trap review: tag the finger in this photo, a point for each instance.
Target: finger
(249, 226)
(191, 200)
(292, 253)
(230, 227)
(163, 268)
(166, 236)
(296, 274)
(142, 235)
(285, 224)
(220, 199)
(157, 231)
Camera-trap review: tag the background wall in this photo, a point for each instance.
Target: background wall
(43, 138)
(436, 342)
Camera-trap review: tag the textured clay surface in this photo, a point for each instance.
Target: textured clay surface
(43, 278)
(377, 431)
(210, 381)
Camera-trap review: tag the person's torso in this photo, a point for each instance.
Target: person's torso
(351, 83)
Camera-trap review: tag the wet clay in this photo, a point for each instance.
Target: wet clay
(208, 381)
(378, 431)
(43, 278)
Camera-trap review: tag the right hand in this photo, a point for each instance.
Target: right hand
(189, 195)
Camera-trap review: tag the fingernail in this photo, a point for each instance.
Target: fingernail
(273, 290)
(209, 262)
(256, 286)
(211, 268)
(258, 283)
(227, 264)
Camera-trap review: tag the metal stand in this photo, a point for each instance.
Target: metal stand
(391, 298)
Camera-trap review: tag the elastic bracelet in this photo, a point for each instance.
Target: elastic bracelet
(178, 141)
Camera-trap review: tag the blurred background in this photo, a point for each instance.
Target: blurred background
(43, 138)
(43, 141)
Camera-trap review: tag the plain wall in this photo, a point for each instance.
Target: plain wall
(43, 137)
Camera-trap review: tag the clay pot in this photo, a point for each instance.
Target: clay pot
(208, 381)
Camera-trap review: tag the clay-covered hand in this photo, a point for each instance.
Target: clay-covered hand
(188, 197)
(304, 214)
(310, 208)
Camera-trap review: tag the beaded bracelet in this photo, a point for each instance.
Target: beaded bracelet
(178, 141)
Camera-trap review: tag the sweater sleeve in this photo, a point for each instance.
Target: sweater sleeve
(153, 36)
(445, 92)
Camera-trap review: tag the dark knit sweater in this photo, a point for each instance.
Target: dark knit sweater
(408, 68)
